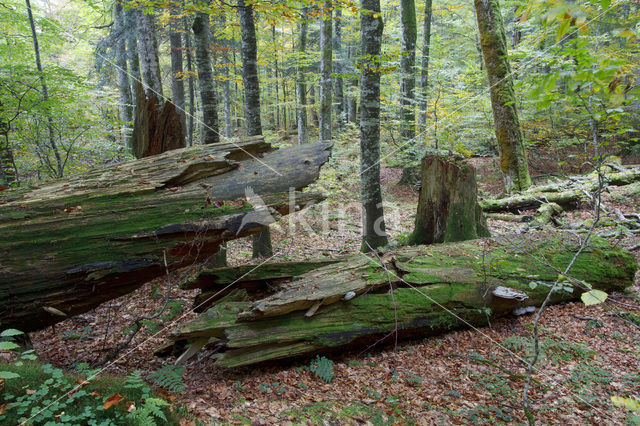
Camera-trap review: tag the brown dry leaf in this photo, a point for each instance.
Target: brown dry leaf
(30, 391)
(114, 399)
(82, 382)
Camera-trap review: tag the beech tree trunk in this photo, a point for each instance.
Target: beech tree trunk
(448, 207)
(148, 50)
(209, 105)
(493, 40)
(124, 85)
(373, 226)
(177, 72)
(436, 289)
(133, 58)
(262, 241)
(301, 87)
(424, 72)
(407, 65)
(339, 85)
(72, 244)
(326, 54)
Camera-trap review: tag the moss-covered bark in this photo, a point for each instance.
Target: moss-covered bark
(78, 242)
(513, 159)
(448, 207)
(436, 288)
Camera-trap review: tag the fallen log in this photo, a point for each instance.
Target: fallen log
(436, 288)
(72, 244)
(566, 194)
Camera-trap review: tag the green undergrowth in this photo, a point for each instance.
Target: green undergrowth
(35, 393)
(43, 394)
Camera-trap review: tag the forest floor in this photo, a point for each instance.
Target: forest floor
(467, 376)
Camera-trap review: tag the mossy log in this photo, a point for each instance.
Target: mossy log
(436, 288)
(566, 194)
(72, 244)
(448, 207)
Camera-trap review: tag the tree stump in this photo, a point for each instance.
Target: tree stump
(155, 132)
(448, 207)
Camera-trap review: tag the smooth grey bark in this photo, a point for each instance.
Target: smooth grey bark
(208, 101)
(148, 50)
(326, 53)
(192, 94)
(373, 226)
(339, 69)
(177, 71)
(407, 65)
(277, 75)
(493, 40)
(352, 103)
(424, 72)
(226, 85)
(45, 93)
(249, 50)
(124, 86)
(301, 86)
(131, 22)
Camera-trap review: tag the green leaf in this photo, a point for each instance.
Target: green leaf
(6, 375)
(605, 4)
(593, 297)
(7, 346)
(10, 332)
(628, 403)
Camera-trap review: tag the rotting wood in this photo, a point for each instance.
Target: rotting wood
(567, 194)
(75, 243)
(437, 288)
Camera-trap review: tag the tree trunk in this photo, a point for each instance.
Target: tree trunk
(177, 72)
(326, 53)
(208, 101)
(261, 241)
(352, 103)
(448, 207)
(493, 40)
(155, 131)
(424, 72)
(373, 227)
(192, 94)
(339, 69)
(75, 243)
(436, 289)
(124, 85)
(407, 65)
(45, 93)
(226, 86)
(131, 22)
(148, 47)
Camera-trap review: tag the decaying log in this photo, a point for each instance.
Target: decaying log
(567, 194)
(221, 283)
(448, 207)
(436, 288)
(70, 245)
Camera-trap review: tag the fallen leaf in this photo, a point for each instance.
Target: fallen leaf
(114, 399)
